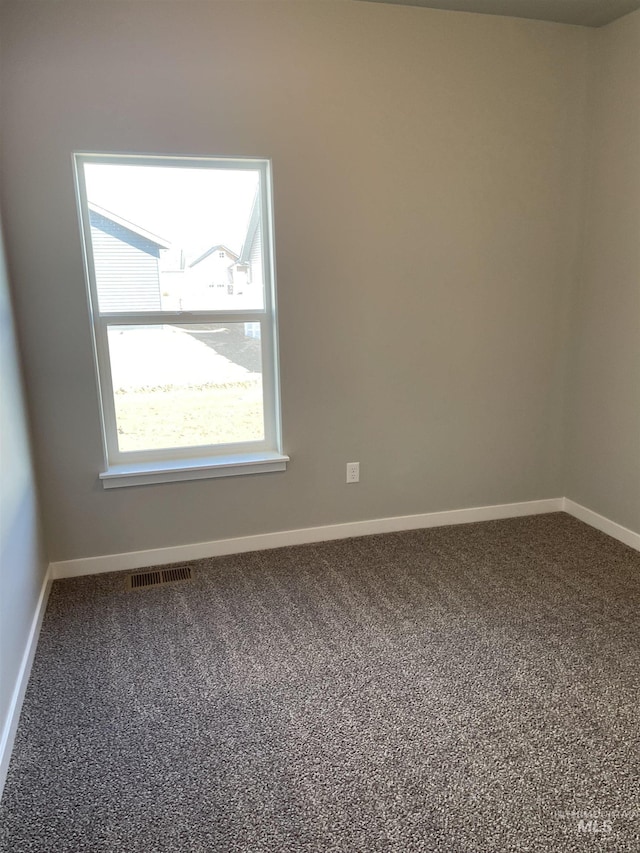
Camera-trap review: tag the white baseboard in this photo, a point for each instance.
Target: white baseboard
(13, 716)
(600, 522)
(301, 536)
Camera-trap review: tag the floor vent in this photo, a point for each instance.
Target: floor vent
(182, 573)
(142, 580)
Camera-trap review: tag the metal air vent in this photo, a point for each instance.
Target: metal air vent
(158, 577)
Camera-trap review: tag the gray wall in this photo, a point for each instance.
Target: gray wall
(427, 171)
(603, 439)
(22, 561)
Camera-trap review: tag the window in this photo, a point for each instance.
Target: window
(186, 392)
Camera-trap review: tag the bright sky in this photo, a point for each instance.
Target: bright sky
(191, 208)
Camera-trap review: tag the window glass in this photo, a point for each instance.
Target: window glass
(186, 385)
(172, 238)
(179, 262)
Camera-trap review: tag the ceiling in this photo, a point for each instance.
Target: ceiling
(588, 13)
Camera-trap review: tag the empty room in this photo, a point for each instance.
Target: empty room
(320, 426)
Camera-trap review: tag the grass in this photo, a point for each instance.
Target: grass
(187, 416)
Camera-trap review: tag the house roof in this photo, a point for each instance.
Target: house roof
(216, 248)
(130, 226)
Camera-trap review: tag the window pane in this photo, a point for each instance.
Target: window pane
(174, 238)
(186, 386)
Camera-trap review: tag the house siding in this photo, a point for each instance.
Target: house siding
(256, 260)
(126, 267)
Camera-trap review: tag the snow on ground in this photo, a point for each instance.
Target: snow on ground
(155, 356)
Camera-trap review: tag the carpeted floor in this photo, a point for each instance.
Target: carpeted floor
(469, 688)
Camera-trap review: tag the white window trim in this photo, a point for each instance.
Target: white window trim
(192, 469)
(175, 464)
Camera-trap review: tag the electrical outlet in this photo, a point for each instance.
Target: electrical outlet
(353, 472)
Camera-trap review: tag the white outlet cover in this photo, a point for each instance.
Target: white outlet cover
(353, 472)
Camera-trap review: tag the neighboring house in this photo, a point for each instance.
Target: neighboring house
(214, 269)
(220, 278)
(249, 265)
(127, 263)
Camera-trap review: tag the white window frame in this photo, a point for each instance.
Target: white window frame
(166, 465)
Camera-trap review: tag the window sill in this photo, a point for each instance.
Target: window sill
(144, 473)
